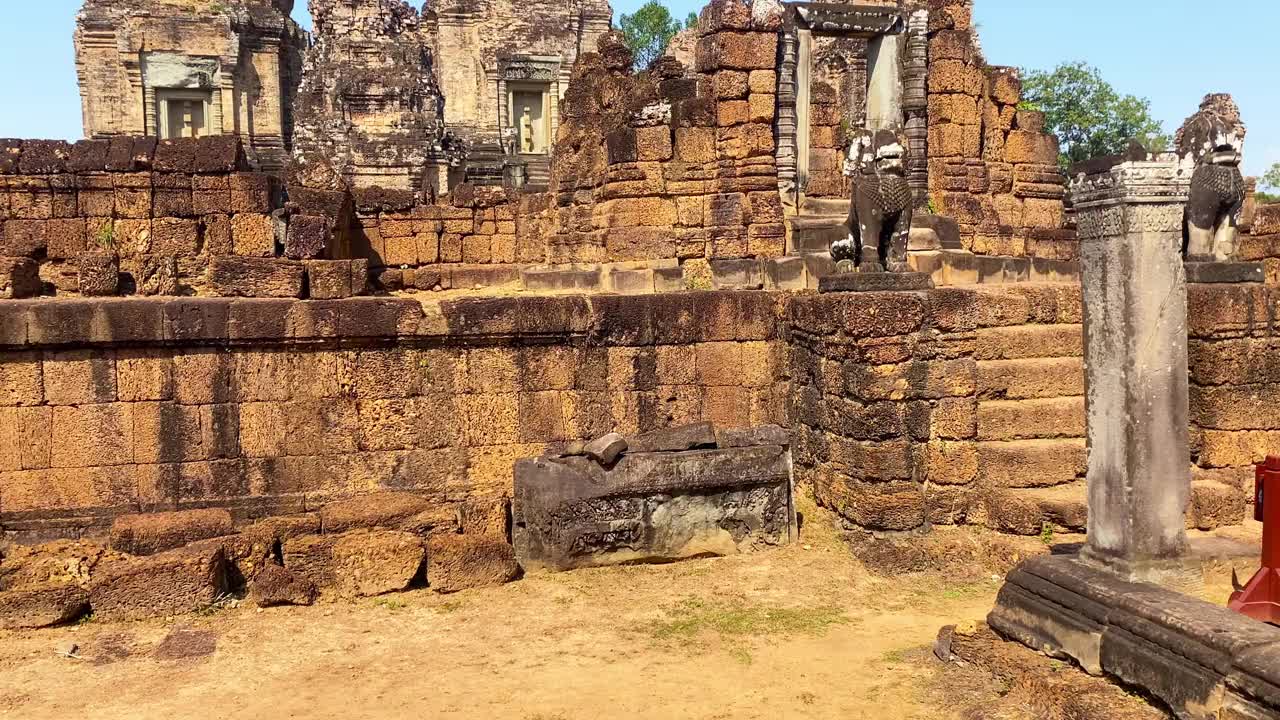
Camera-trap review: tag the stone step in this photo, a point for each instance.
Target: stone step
(1031, 419)
(1029, 341)
(1030, 512)
(1030, 378)
(825, 206)
(815, 234)
(1031, 463)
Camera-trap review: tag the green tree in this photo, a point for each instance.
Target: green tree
(1271, 181)
(649, 30)
(1089, 116)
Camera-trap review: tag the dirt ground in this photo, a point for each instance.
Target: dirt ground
(799, 632)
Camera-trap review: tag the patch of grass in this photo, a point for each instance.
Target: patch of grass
(807, 698)
(1046, 534)
(743, 620)
(894, 657)
(445, 608)
(741, 655)
(85, 619)
(391, 604)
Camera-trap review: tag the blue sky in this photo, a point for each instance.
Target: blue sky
(1171, 51)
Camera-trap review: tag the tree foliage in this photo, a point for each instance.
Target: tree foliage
(649, 30)
(1089, 116)
(1270, 180)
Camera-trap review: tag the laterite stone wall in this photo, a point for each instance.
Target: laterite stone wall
(271, 407)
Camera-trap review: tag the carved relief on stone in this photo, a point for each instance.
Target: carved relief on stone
(880, 208)
(1214, 139)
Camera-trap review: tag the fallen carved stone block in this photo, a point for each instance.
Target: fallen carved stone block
(1199, 659)
(571, 512)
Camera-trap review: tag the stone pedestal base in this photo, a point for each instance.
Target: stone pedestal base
(875, 282)
(1183, 575)
(1225, 272)
(1201, 660)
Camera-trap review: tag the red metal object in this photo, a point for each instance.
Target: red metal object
(1260, 599)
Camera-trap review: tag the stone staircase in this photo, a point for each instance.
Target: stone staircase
(1031, 452)
(537, 170)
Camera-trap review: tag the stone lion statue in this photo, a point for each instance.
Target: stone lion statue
(880, 205)
(1214, 138)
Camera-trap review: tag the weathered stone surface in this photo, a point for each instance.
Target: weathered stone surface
(685, 437)
(385, 510)
(360, 563)
(1177, 648)
(19, 278)
(376, 563)
(58, 562)
(170, 583)
(308, 237)
(607, 448)
(256, 277)
(40, 606)
(461, 562)
(651, 506)
(99, 274)
(274, 586)
(148, 534)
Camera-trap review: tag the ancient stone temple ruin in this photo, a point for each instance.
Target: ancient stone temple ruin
(508, 68)
(369, 112)
(180, 70)
(509, 303)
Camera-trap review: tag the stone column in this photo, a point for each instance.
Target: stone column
(1135, 326)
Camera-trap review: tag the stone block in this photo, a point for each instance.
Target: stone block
(41, 606)
(1215, 505)
(274, 586)
(461, 562)
(233, 276)
(308, 236)
(174, 236)
(379, 510)
(44, 157)
(1031, 463)
(24, 238)
(170, 583)
(361, 563)
(737, 51)
(653, 143)
(571, 512)
(19, 278)
(1028, 147)
(171, 195)
(253, 235)
(151, 533)
(251, 193)
(211, 195)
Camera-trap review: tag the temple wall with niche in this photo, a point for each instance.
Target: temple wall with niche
(504, 57)
(167, 69)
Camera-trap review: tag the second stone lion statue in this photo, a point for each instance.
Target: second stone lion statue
(880, 206)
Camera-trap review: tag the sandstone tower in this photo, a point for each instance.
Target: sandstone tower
(369, 110)
(188, 69)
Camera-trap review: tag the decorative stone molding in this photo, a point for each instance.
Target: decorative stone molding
(1164, 178)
